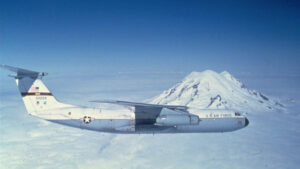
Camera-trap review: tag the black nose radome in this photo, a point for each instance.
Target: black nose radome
(246, 122)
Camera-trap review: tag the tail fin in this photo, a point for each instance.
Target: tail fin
(36, 96)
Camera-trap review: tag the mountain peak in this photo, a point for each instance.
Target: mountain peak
(209, 89)
(197, 75)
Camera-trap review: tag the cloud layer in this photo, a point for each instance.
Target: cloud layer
(270, 141)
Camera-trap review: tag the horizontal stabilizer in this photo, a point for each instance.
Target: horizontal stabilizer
(136, 104)
(23, 72)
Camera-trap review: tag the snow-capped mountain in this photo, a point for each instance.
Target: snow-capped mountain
(209, 89)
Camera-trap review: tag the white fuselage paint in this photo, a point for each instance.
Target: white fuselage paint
(123, 120)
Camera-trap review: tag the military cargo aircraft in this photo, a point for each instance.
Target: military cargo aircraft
(129, 118)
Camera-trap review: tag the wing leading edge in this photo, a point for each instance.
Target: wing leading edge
(137, 104)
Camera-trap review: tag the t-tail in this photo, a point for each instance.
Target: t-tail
(36, 96)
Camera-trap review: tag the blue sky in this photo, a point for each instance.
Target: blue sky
(162, 36)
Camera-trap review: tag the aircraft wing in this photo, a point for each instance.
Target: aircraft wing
(146, 114)
(138, 104)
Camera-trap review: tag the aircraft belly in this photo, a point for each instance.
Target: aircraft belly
(68, 122)
(104, 125)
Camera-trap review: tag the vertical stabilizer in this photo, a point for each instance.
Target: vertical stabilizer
(36, 96)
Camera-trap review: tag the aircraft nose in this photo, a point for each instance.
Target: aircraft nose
(246, 122)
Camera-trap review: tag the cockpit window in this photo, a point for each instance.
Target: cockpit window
(237, 114)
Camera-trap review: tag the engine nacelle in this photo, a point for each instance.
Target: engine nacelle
(174, 120)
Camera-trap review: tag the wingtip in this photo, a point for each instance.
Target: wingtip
(3, 65)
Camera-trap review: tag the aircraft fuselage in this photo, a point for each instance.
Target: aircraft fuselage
(110, 121)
